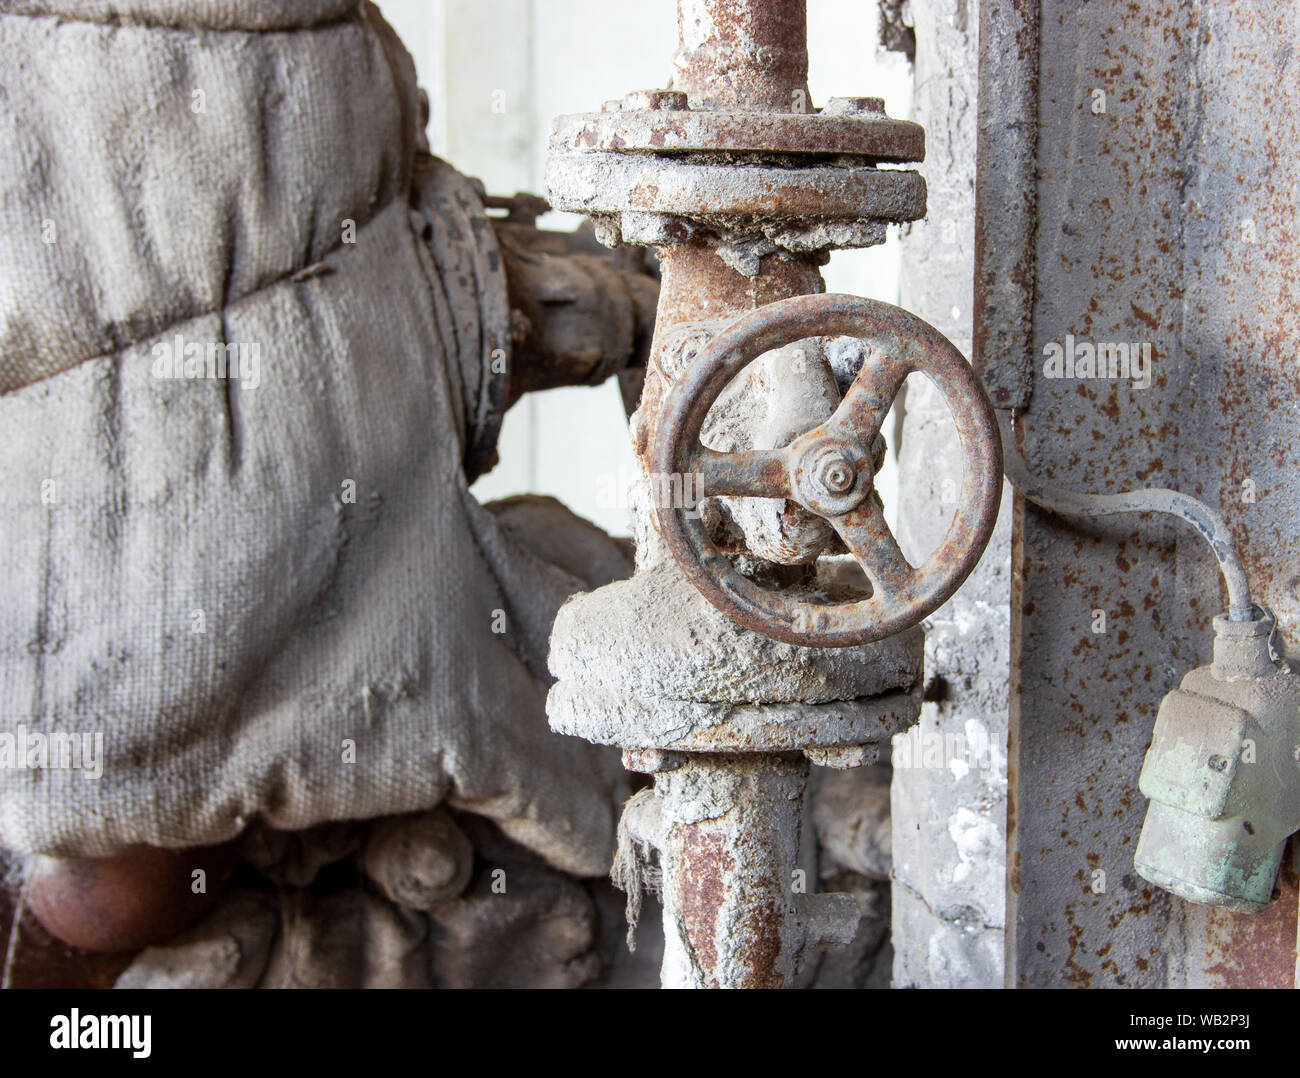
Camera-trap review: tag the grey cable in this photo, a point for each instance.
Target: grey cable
(1200, 516)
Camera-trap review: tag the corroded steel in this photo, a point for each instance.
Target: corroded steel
(1164, 213)
(659, 167)
(684, 726)
(746, 54)
(863, 132)
(699, 293)
(743, 188)
(1006, 198)
(578, 315)
(799, 197)
(729, 831)
(829, 470)
(1207, 521)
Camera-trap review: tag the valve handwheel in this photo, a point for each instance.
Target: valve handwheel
(828, 471)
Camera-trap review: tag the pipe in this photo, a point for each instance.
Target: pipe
(742, 54)
(1209, 522)
(730, 843)
(726, 818)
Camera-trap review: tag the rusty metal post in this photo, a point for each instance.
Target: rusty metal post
(742, 187)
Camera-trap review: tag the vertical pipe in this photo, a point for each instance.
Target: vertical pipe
(732, 54)
(743, 54)
(731, 823)
(730, 846)
(697, 286)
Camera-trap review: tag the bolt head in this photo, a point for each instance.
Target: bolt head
(837, 474)
(655, 229)
(652, 761)
(844, 757)
(854, 106)
(832, 475)
(659, 100)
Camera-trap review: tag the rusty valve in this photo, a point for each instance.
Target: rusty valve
(828, 471)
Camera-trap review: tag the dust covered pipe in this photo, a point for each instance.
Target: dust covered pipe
(743, 188)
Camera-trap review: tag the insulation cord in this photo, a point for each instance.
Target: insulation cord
(1209, 522)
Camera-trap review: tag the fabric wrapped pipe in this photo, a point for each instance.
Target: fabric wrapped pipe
(262, 589)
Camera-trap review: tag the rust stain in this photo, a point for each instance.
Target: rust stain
(705, 867)
(1258, 950)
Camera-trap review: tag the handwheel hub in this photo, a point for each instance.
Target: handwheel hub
(831, 476)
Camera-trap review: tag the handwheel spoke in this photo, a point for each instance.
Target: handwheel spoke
(752, 473)
(869, 397)
(870, 541)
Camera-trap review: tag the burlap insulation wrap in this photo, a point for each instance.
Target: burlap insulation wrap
(236, 578)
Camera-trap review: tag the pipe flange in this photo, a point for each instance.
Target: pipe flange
(650, 170)
(688, 726)
(804, 208)
(855, 127)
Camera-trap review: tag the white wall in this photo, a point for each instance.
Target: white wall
(497, 71)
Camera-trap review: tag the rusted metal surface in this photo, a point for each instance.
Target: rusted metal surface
(1006, 199)
(1207, 521)
(128, 902)
(1250, 952)
(829, 471)
(659, 167)
(699, 293)
(729, 854)
(688, 726)
(743, 188)
(578, 317)
(1166, 217)
(742, 54)
(799, 202)
(839, 128)
(522, 208)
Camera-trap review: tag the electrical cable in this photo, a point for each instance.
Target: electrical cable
(1209, 522)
